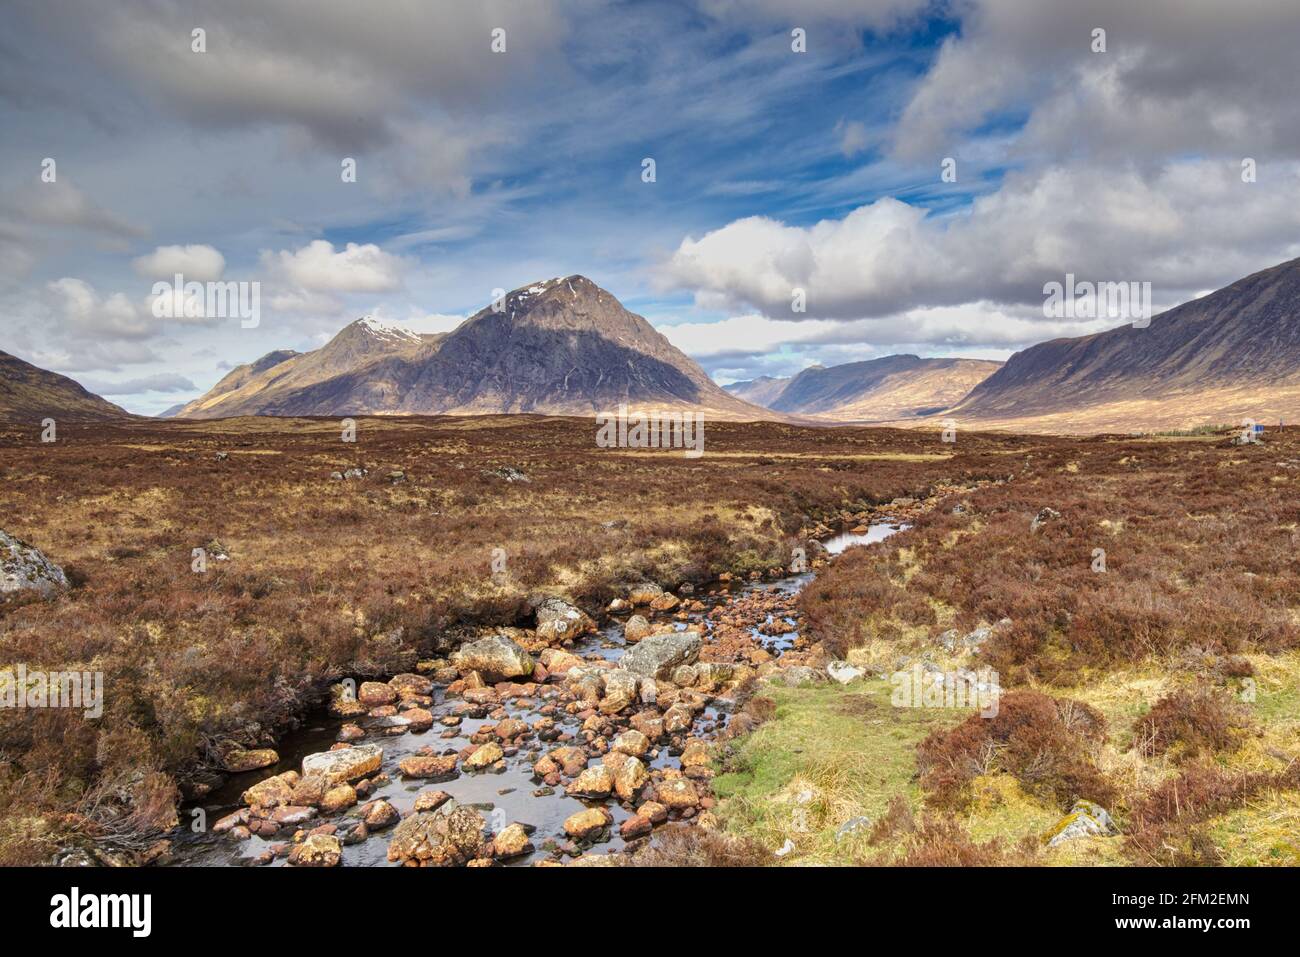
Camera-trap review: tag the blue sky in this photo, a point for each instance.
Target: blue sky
(775, 169)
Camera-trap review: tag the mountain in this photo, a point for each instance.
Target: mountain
(1230, 355)
(29, 392)
(562, 346)
(879, 390)
(761, 391)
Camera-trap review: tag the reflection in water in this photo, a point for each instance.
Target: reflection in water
(876, 533)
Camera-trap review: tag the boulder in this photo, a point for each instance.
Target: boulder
(24, 571)
(512, 841)
(449, 836)
(557, 620)
(636, 628)
(620, 688)
(644, 593)
(1085, 819)
(495, 658)
(677, 793)
(594, 782)
(379, 815)
(338, 798)
(843, 672)
(484, 756)
(631, 742)
(236, 762)
(1044, 516)
(657, 656)
(346, 764)
(428, 766)
(318, 850)
(272, 791)
(372, 694)
(588, 824)
(629, 776)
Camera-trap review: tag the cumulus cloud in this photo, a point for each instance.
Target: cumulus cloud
(198, 263)
(1178, 227)
(79, 311)
(318, 267)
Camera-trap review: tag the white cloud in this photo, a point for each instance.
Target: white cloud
(197, 263)
(80, 311)
(1176, 227)
(317, 267)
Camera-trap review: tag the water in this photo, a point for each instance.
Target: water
(504, 797)
(876, 533)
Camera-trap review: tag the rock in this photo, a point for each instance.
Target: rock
(338, 798)
(343, 704)
(484, 756)
(411, 684)
(634, 827)
(696, 754)
(375, 693)
(665, 602)
(843, 672)
(559, 662)
(506, 472)
(418, 719)
(588, 824)
(853, 825)
(677, 793)
(637, 627)
(648, 723)
(319, 850)
(24, 571)
(230, 821)
(272, 791)
(618, 606)
(290, 815)
(310, 790)
(644, 593)
(379, 815)
(237, 762)
(656, 656)
(1085, 819)
(557, 620)
(347, 764)
(629, 777)
(512, 842)
(594, 782)
(430, 800)
(1043, 517)
(631, 742)
(678, 718)
(654, 811)
(620, 688)
(496, 658)
(796, 675)
(446, 837)
(428, 766)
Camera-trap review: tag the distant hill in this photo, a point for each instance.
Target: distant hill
(1228, 356)
(761, 391)
(30, 392)
(885, 389)
(561, 346)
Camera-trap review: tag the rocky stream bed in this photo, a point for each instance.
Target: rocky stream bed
(565, 743)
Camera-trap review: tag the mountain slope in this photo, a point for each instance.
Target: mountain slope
(30, 392)
(563, 346)
(889, 388)
(762, 391)
(1232, 354)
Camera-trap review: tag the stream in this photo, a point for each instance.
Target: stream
(512, 795)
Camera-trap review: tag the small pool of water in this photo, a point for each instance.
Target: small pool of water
(876, 533)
